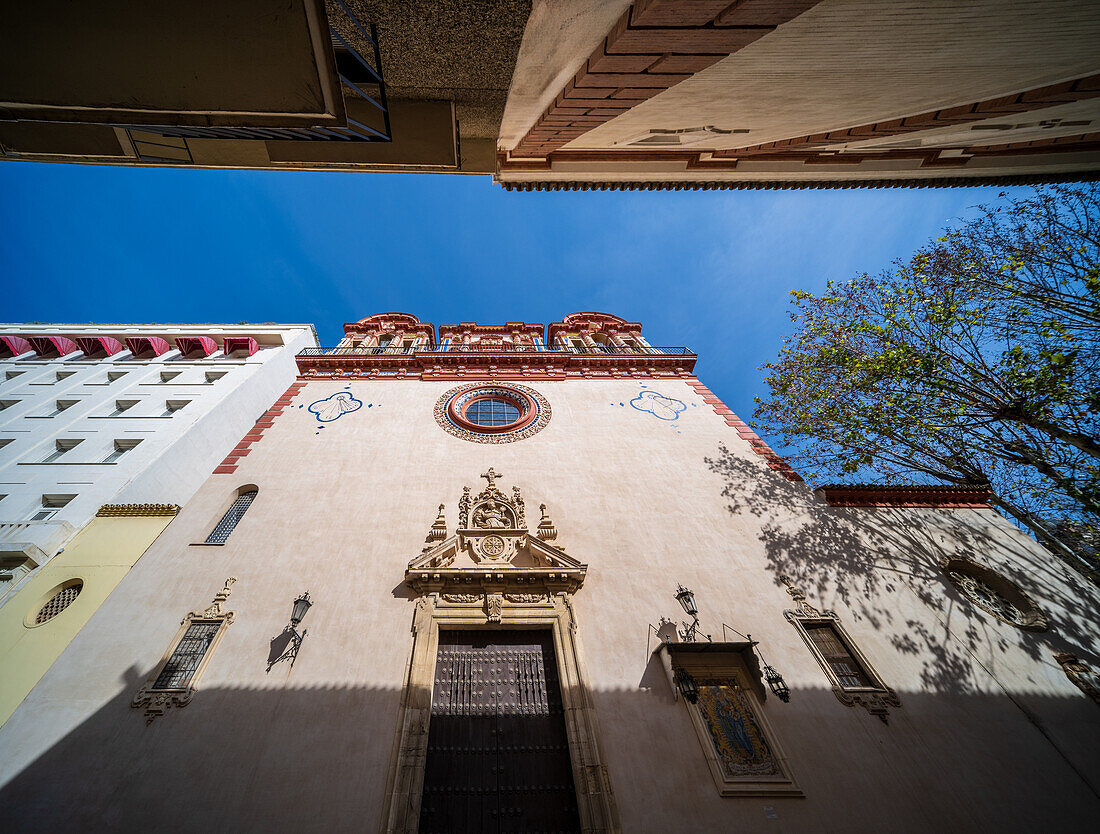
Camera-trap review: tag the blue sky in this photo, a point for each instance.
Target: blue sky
(709, 270)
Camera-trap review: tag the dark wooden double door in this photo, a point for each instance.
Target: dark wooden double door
(498, 758)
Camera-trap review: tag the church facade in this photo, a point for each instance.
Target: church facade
(520, 578)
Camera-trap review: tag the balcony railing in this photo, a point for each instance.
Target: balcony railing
(589, 350)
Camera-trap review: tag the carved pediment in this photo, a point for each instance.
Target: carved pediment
(492, 547)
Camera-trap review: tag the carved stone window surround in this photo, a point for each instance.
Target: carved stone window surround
(1031, 617)
(158, 701)
(877, 698)
(1080, 674)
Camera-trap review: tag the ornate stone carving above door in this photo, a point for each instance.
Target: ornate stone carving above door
(492, 534)
(492, 576)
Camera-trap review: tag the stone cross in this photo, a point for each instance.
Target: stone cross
(491, 477)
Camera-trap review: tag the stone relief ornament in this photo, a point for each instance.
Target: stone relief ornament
(334, 407)
(215, 608)
(492, 515)
(525, 599)
(492, 536)
(546, 529)
(467, 598)
(494, 607)
(438, 532)
(464, 508)
(803, 608)
(492, 547)
(517, 502)
(1081, 674)
(877, 703)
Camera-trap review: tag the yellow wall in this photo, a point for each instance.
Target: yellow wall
(99, 555)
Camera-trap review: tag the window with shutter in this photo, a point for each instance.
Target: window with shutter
(836, 654)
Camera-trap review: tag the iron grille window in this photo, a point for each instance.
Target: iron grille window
(232, 516)
(58, 603)
(187, 656)
(846, 668)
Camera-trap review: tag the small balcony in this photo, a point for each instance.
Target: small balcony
(34, 540)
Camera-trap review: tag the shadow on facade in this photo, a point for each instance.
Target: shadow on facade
(318, 759)
(862, 557)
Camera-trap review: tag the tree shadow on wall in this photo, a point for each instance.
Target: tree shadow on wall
(862, 557)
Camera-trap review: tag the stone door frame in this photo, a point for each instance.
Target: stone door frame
(496, 611)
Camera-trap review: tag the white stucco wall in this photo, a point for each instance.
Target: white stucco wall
(990, 735)
(174, 455)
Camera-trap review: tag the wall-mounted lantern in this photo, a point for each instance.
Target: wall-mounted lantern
(290, 641)
(689, 633)
(687, 685)
(775, 682)
(301, 607)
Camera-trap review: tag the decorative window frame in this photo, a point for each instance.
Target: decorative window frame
(724, 664)
(158, 701)
(1035, 619)
(877, 698)
(31, 618)
(450, 407)
(1080, 674)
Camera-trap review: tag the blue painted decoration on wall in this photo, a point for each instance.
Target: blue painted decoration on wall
(334, 407)
(660, 406)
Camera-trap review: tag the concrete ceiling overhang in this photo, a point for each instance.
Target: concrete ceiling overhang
(463, 51)
(246, 62)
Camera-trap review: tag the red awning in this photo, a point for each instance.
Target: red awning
(52, 346)
(98, 346)
(233, 343)
(11, 346)
(142, 346)
(193, 344)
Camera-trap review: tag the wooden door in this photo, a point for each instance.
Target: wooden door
(498, 759)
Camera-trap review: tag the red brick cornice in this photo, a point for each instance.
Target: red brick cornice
(872, 495)
(655, 45)
(256, 433)
(745, 432)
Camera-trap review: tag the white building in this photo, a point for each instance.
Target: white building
(121, 414)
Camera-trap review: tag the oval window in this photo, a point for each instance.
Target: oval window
(492, 413)
(57, 603)
(995, 594)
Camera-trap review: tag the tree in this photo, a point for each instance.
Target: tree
(977, 361)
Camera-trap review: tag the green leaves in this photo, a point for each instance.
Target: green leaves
(986, 340)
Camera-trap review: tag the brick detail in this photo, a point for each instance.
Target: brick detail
(693, 161)
(1007, 106)
(745, 432)
(655, 45)
(872, 495)
(229, 465)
